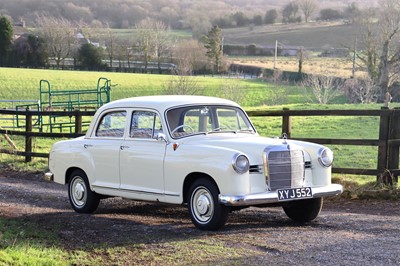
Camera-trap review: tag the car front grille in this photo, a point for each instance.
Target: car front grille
(284, 166)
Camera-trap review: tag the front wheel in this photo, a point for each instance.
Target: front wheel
(204, 208)
(82, 199)
(303, 211)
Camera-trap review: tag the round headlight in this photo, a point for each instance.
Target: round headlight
(325, 157)
(240, 163)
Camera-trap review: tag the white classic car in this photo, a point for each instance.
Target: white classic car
(194, 150)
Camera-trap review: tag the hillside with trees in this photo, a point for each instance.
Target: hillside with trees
(177, 14)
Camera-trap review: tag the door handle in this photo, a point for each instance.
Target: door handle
(87, 146)
(124, 147)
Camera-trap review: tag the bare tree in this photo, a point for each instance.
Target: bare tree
(390, 53)
(190, 53)
(233, 89)
(361, 90)
(154, 40)
(59, 36)
(308, 7)
(110, 40)
(181, 84)
(369, 40)
(162, 42)
(380, 35)
(122, 52)
(145, 31)
(302, 56)
(324, 88)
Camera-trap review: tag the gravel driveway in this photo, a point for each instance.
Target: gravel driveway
(358, 232)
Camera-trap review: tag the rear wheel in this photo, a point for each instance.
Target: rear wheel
(82, 199)
(303, 211)
(204, 208)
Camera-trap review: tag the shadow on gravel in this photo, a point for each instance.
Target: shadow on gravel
(119, 222)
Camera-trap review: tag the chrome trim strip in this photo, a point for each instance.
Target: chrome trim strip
(137, 191)
(272, 197)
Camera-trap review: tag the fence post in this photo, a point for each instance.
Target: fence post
(28, 139)
(383, 149)
(78, 122)
(286, 123)
(393, 148)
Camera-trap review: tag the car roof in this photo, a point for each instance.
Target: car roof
(164, 102)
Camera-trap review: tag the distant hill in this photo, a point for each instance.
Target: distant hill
(179, 14)
(314, 35)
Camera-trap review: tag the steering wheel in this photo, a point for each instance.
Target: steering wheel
(182, 126)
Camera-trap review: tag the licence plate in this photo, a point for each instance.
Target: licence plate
(294, 193)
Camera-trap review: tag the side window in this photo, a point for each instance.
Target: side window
(112, 125)
(145, 124)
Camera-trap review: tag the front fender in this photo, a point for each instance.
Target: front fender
(215, 162)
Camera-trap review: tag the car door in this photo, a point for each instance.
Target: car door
(104, 149)
(142, 156)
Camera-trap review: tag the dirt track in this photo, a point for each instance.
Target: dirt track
(346, 232)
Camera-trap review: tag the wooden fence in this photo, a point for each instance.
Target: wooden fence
(388, 142)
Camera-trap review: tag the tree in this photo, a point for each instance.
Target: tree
(162, 42)
(154, 40)
(29, 51)
(233, 89)
(389, 28)
(59, 36)
(6, 33)
(324, 88)
(189, 56)
(257, 20)
(90, 57)
(240, 19)
(213, 44)
(145, 40)
(361, 90)
(303, 55)
(270, 16)
(183, 85)
(368, 39)
(352, 12)
(379, 35)
(308, 7)
(329, 14)
(110, 43)
(289, 13)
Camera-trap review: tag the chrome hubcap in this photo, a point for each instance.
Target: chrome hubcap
(202, 205)
(78, 192)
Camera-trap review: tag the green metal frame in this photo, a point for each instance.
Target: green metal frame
(69, 100)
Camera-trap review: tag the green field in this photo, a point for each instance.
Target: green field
(252, 94)
(24, 84)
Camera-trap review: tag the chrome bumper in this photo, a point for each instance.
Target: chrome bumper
(48, 176)
(272, 197)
